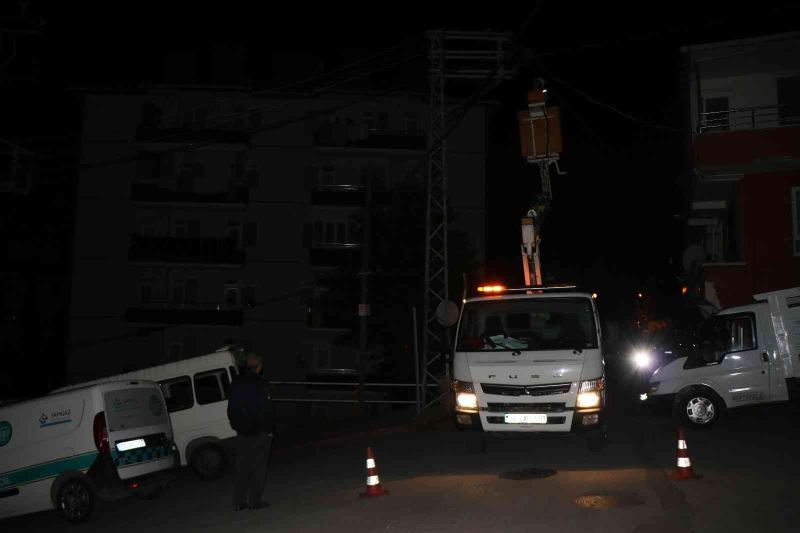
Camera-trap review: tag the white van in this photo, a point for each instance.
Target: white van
(64, 450)
(528, 360)
(196, 392)
(745, 355)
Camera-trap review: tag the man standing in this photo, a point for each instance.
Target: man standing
(252, 416)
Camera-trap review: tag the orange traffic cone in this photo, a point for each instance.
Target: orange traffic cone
(374, 488)
(684, 469)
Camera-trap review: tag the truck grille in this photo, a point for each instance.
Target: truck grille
(525, 407)
(526, 390)
(550, 420)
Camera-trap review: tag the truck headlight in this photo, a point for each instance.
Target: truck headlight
(590, 393)
(466, 401)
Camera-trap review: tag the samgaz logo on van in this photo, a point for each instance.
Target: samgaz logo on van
(62, 416)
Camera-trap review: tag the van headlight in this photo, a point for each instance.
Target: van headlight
(590, 393)
(466, 401)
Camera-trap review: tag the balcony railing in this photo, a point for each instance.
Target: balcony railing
(146, 192)
(333, 135)
(342, 254)
(203, 314)
(145, 248)
(748, 118)
(183, 134)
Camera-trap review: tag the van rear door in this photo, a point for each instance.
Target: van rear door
(139, 430)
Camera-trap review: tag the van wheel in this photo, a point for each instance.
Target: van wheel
(75, 500)
(208, 462)
(698, 408)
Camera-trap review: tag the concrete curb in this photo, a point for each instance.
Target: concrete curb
(423, 424)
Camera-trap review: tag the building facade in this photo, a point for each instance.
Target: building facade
(743, 228)
(213, 215)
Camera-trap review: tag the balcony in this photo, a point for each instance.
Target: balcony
(758, 139)
(148, 249)
(188, 314)
(191, 134)
(749, 118)
(153, 194)
(383, 139)
(332, 254)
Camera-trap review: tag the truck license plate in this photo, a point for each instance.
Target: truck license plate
(526, 418)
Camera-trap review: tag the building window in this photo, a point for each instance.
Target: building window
(789, 100)
(328, 175)
(235, 231)
(250, 234)
(192, 287)
(413, 124)
(180, 229)
(796, 219)
(231, 294)
(248, 293)
(178, 292)
(145, 293)
(716, 114)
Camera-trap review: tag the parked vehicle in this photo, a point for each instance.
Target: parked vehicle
(529, 361)
(65, 450)
(745, 355)
(196, 393)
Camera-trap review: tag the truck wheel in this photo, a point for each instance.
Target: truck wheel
(476, 442)
(597, 440)
(698, 408)
(75, 500)
(208, 462)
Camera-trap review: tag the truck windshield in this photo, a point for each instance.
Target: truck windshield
(527, 324)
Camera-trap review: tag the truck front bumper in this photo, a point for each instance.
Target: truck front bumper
(559, 422)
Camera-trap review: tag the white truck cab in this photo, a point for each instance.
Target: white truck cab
(529, 361)
(745, 355)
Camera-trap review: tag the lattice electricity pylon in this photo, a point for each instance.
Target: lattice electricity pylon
(479, 56)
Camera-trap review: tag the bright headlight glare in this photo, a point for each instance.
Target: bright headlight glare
(588, 399)
(642, 359)
(467, 401)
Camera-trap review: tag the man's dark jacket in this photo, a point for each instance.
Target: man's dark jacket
(250, 409)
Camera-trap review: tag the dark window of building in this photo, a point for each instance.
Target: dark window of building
(319, 232)
(145, 293)
(151, 115)
(789, 100)
(193, 229)
(178, 292)
(251, 234)
(255, 119)
(177, 393)
(249, 294)
(192, 287)
(231, 294)
(717, 113)
(235, 231)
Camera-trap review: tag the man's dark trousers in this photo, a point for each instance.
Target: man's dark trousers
(252, 456)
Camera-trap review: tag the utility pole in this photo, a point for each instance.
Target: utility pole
(363, 307)
(469, 58)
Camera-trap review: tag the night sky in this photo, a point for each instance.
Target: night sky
(615, 224)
